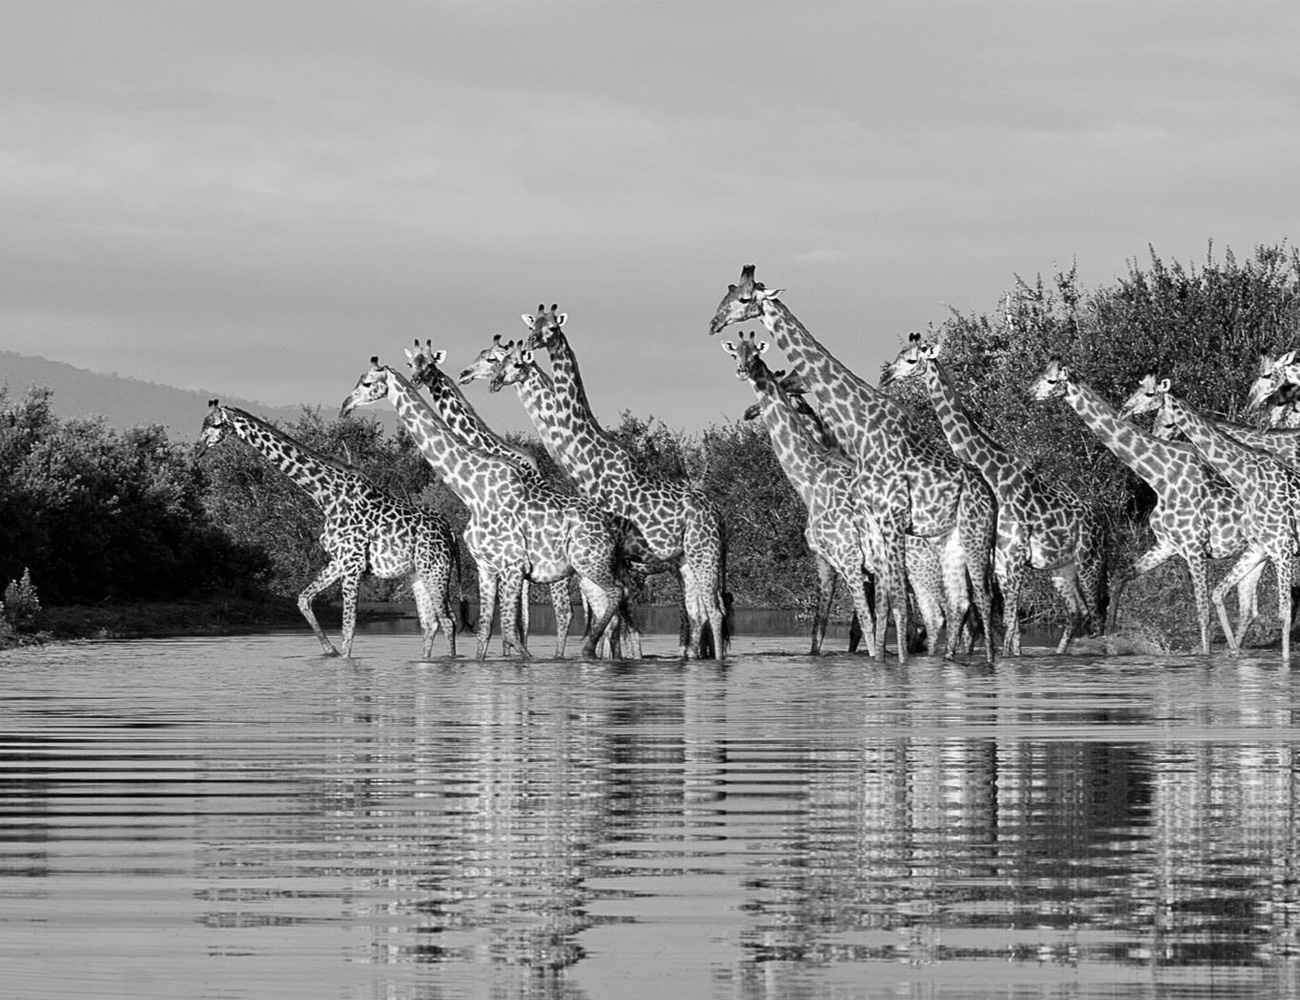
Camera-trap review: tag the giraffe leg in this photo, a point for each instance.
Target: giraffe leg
(604, 610)
(1248, 603)
(1066, 581)
(1249, 560)
(891, 582)
(826, 577)
(1009, 563)
(434, 614)
(1282, 562)
(684, 620)
(1090, 558)
(976, 528)
(563, 615)
(351, 585)
(925, 576)
(955, 587)
(323, 579)
(695, 621)
(512, 585)
(487, 600)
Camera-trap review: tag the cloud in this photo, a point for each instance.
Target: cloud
(820, 255)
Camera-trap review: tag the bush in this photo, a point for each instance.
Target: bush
(22, 607)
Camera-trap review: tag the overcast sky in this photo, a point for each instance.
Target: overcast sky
(253, 198)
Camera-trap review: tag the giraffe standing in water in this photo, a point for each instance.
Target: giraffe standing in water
(682, 527)
(1271, 491)
(822, 476)
(1197, 516)
(516, 530)
(1041, 525)
(908, 484)
(365, 529)
(464, 422)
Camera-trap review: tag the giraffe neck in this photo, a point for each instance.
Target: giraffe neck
(1162, 464)
(968, 440)
(476, 477)
(855, 412)
(463, 421)
(537, 394)
(802, 455)
(323, 478)
(1238, 464)
(599, 466)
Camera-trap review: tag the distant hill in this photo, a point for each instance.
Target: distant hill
(121, 401)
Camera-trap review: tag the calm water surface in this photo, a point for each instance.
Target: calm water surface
(239, 817)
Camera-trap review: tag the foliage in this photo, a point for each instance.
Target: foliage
(22, 605)
(1203, 328)
(105, 515)
(102, 515)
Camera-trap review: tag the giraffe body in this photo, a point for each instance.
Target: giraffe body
(1040, 525)
(517, 530)
(365, 529)
(823, 477)
(909, 486)
(682, 528)
(1198, 515)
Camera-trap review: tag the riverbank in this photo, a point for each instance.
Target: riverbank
(156, 620)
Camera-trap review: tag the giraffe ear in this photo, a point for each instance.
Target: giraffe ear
(1163, 385)
(1286, 359)
(729, 347)
(561, 319)
(412, 355)
(526, 357)
(529, 322)
(930, 351)
(439, 357)
(762, 346)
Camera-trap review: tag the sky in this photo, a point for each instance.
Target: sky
(253, 198)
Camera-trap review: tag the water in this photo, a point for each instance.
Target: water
(239, 817)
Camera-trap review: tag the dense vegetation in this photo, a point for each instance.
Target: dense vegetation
(96, 515)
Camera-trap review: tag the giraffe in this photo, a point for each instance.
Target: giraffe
(822, 477)
(516, 530)
(1040, 524)
(906, 482)
(682, 527)
(1197, 516)
(1270, 489)
(365, 529)
(1278, 385)
(464, 422)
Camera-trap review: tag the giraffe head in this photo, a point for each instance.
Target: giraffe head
(485, 362)
(1273, 376)
(742, 302)
(1148, 397)
(911, 361)
(748, 354)
(513, 367)
(1052, 383)
(1164, 426)
(375, 385)
(423, 362)
(544, 327)
(216, 425)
